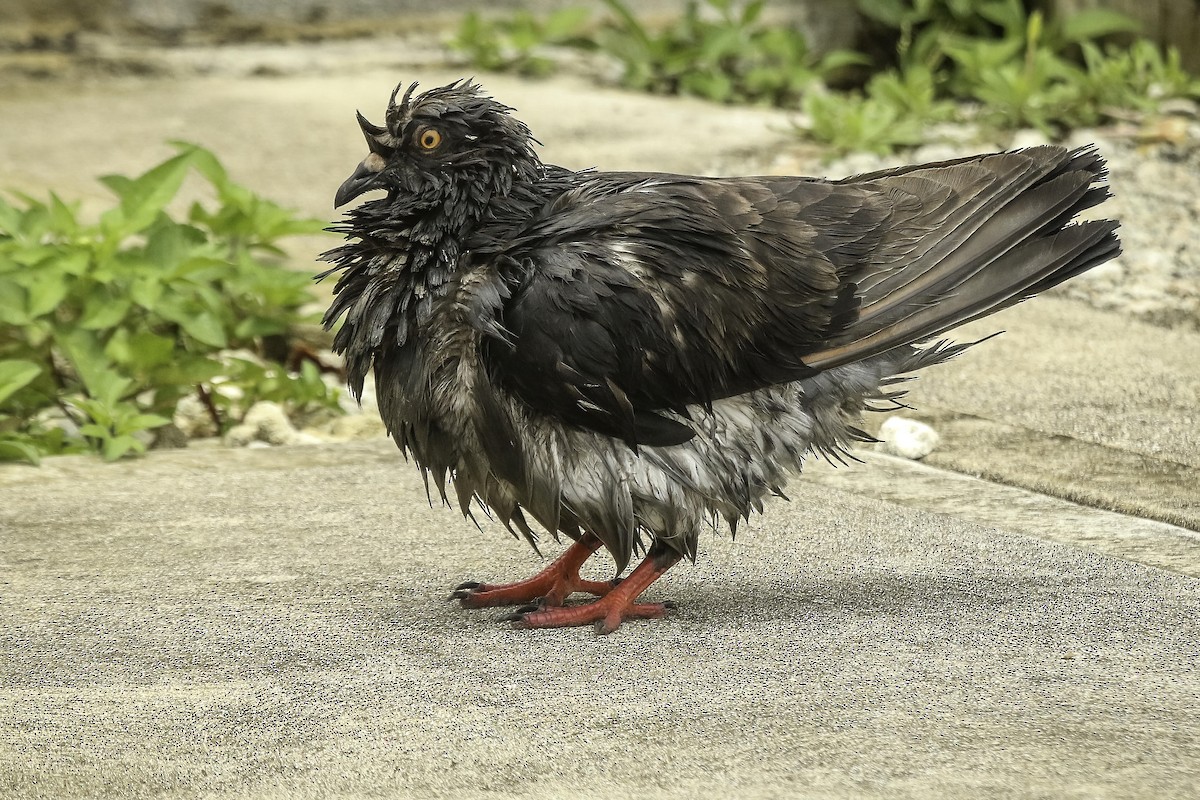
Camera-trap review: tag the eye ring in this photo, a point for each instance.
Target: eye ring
(429, 138)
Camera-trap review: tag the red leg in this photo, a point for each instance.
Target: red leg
(550, 587)
(613, 608)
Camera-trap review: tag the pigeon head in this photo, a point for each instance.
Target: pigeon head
(452, 143)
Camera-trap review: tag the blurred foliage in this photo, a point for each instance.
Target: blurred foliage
(726, 55)
(105, 325)
(518, 43)
(1016, 67)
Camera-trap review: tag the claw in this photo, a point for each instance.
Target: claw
(465, 590)
(550, 587)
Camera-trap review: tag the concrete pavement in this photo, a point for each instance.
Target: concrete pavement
(273, 623)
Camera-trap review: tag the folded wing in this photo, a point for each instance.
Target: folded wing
(637, 294)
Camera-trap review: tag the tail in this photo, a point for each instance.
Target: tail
(1011, 240)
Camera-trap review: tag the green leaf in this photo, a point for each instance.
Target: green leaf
(118, 446)
(145, 290)
(205, 163)
(83, 350)
(118, 184)
(47, 290)
(74, 262)
(566, 23)
(205, 327)
(145, 196)
(169, 243)
(95, 431)
(102, 312)
(148, 350)
(17, 450)
(16, 374)
(10, 218)
(142, 422)
(62, 215)
(752, 11)
(14, 302)
(1095, 23)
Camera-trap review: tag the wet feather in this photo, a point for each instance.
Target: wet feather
(639, 355)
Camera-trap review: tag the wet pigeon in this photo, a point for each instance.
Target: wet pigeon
(628, 358)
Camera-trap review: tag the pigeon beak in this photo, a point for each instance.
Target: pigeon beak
(365, 178)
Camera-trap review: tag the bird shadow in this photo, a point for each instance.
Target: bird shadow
(859, 593)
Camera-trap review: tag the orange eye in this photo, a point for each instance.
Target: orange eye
(429, 139)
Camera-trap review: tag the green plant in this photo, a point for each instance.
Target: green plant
(854, 123)
(1023, 69)
(112, 322)
(912, 92)
(1136, 77)
(514, 44)
(922, 29)
(726, 55)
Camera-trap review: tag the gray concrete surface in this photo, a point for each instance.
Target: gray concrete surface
(273, 623)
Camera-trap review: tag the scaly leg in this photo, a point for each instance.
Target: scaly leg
(614, 607)
(550, 587)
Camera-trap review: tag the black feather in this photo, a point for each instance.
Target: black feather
(634, 355)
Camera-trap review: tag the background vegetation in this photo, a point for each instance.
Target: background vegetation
(998, 62)
(104, 326)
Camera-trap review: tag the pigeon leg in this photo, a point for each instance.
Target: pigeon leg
(550, 587)
(614, 607)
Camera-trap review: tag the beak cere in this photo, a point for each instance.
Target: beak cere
(363, 180)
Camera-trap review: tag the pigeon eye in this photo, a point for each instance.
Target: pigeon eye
(429, 138)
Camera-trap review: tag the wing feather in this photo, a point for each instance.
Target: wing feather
(632, 295)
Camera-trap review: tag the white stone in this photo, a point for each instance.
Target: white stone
(271, 423)
(907, 438)
(192, 417)
(240, 436)
(359, 426)
(1028, 137)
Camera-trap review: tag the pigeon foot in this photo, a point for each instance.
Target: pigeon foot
(548, 588)
(607, 613)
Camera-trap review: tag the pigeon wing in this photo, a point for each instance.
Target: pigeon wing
(635, 294)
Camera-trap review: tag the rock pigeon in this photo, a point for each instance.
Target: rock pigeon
(630, 358)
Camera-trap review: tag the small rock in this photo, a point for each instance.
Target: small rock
(938, 151)
(307, 437)
(853, 164)
(240, 436)
(55, 417)
(265, 424)
(358, 426)
(168, 437)
(1082, 137)
(271, 423)
(907, 438)
(192, 418)
(1028, 137)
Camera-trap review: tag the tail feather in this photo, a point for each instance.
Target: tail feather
(1015, 242)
